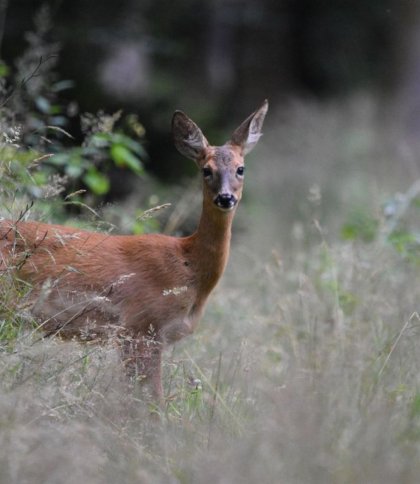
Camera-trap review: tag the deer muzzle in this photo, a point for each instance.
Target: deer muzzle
(225, 201)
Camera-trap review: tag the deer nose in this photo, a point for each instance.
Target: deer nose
(226, 201)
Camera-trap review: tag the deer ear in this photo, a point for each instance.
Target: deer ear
(249, 132)
(188, 138)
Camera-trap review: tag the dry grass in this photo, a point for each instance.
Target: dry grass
(305, 367)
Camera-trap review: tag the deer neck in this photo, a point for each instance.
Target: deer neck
(211, 244)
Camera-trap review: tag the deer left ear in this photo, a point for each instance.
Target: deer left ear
(249, 132)
(188, 138)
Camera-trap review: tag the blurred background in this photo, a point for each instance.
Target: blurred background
(342, 78)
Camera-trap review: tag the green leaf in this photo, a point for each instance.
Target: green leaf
(62, 85)
(43, 104)
(132, 145)
(100, 140)
(360, 225)
(97, 182)
(59, 159)
(54, 110)
(4, 69)
(138, 228)
(72, 162)
(347, 301)
(74, 170)
(402, 240)
(415, 405)
(40, 178)
(123, 157)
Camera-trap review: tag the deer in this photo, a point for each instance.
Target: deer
(145, 291)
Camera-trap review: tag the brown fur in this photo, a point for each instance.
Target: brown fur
(146, 290)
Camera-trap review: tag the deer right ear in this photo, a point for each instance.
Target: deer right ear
(249, 132)
(188, 138)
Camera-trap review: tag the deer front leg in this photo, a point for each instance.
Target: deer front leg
(142, 357)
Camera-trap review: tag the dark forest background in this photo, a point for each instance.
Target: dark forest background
(218, 59)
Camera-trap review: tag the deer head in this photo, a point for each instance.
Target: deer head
(222, 166)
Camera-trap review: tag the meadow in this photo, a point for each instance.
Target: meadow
(305, 367)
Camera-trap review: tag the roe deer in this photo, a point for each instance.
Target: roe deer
(146, 290)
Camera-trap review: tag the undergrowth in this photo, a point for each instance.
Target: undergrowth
(305, 372)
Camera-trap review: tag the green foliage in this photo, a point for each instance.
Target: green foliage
(360, 226)
(88, 162)
(10, 330)
(399, 228)
(34, 119)
(15, 172)
(406, 243)
(402, 225)
(12, 323)
(4, 69)
(415, 406)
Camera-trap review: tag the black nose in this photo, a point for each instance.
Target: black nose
(225, 201)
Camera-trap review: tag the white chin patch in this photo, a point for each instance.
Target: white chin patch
(225, 209)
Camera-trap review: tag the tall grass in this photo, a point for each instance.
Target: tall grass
(286, 381)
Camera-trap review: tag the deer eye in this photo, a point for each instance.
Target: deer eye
(207, 173)
(240, 171)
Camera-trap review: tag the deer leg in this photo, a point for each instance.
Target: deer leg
(142, 357)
